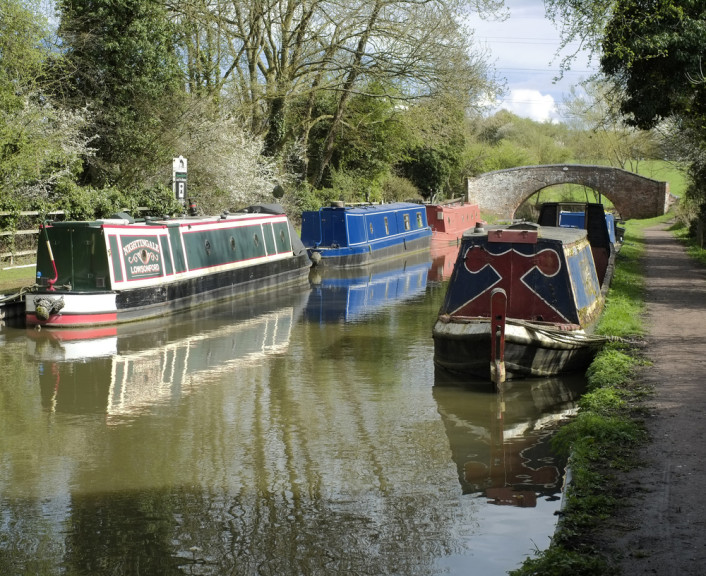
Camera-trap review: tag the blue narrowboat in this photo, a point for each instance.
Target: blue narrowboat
(348, 236)
(522, 301)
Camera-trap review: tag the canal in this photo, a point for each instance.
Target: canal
(304, 433)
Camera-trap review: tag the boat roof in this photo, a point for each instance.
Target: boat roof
(124, 219)
(368, 208)
(564, 235)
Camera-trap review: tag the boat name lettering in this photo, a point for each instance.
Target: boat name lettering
(137, 244)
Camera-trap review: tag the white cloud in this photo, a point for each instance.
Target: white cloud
(530, 103)
(523, 50)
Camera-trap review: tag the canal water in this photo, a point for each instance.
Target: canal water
(305, 433)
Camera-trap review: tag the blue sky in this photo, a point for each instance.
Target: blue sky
(522, 49)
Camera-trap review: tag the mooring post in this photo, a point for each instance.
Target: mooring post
(498, 309)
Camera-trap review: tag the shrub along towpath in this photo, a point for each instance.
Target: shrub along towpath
(661, 529)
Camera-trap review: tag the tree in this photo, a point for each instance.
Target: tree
(276, 63)
(600, 131)
(654, 52)
(40, 143)
(120, 62)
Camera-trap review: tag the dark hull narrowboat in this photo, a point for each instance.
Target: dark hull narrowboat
(603, 234)
(118, 269)
(522, 301)
(449, 220)
(349, 236)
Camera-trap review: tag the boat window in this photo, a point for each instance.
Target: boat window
(406, 222)
(419, 220)
(371, 228)
(387, 226)
(256, 239)
(232, 244)
(208, 247)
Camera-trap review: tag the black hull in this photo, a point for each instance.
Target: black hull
(371, 255)
(524, 358)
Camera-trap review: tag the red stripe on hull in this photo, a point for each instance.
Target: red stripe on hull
(73, 319)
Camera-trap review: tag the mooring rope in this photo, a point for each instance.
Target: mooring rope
(564, 336)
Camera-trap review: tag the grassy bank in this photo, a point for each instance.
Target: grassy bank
(603, 437)
(12, 279)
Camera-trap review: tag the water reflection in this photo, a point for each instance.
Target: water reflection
(353, 294)
(124, 369)
(501, 441)
(251, 438)
(443, 259)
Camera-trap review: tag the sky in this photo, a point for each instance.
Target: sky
(522, 49)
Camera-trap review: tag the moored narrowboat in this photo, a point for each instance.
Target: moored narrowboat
(348, 236)
(603, 234)
(449, 220)
(121, 269)
(522, 301)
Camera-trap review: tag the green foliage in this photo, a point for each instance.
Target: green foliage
(655, 51)
(40, 143)
(121, 61)
(596, 432)
(397, 189)
(88, 203)
(612, 367)
(559, 561)
(352, 186)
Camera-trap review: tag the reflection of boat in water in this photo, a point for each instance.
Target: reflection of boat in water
(350, 294)
(500, 443)
(443, 259)
(125, 369)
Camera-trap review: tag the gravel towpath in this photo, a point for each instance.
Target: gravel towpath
(662, 528)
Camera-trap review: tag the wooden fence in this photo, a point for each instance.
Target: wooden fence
(21, 243)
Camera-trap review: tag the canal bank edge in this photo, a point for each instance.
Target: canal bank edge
(606, 439)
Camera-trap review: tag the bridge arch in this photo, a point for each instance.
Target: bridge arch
(634, 196)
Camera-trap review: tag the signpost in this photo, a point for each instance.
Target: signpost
(179, 166)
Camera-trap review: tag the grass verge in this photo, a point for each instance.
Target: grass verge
(13, 279)
(602, 439)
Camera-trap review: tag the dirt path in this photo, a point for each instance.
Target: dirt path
(662, 530)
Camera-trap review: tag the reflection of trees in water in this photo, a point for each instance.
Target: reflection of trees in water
(327, 456)
(202, 532)
(299, 464)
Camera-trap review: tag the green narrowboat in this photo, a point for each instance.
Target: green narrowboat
(121, 269)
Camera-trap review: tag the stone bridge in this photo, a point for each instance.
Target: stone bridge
(633, 196)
